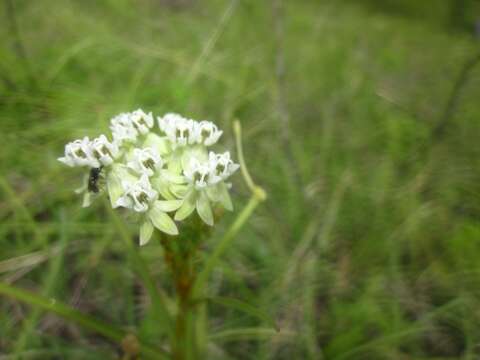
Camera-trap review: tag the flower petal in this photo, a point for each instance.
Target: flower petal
(180, 191)
(167, 205)
(114, 186)
(161, 144)
(162, 221)
(204, 210)
(162, 186)
(187, 207)
(224, 197)
(146, 231)
(87, 199)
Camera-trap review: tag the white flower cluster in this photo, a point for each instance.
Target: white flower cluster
(154, 174)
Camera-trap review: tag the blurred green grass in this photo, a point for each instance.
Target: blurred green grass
(368, 245)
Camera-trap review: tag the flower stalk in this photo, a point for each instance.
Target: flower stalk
(169, 179)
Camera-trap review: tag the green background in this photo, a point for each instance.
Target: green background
(361, 120)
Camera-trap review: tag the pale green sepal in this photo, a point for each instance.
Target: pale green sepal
(197, 152)
(174, 162)
(180, 191)
(219, 193)
(87, 200)
(162, 221)
(160, 143)
(114, 187)
(162, 186)
(146, 231)
(173, 178)
(168, 205)
(114, 182)
(84, 186)
(204, 210)
(224, 197)
(187, 207)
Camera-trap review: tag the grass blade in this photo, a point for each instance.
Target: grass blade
(246, 334)
(243, 307)
(232, 231)
(90, 323)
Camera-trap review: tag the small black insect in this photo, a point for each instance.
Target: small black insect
(93, 179)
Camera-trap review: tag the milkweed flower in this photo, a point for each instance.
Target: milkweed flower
(206, 185)
(152, 172)
(78, 153)
(145, 161)
(104, 152)
(179, 130)
(207, 133)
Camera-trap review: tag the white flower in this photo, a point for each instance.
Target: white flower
(153, 174)
(103, 150)
(140, 197)
(141, 121)
(123, 129)
(221, 166)
(145, 161)
(78, 153)
(207, 133)
(207, 185)
(198, 173)
(179, 130)
(137, 195)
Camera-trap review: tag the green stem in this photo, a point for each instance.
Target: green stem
(179, 258)
(159, 300)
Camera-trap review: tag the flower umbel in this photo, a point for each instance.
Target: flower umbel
(152, 173)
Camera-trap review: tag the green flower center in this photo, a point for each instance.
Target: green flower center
(149, 163)
(80, 153)
(142, 198)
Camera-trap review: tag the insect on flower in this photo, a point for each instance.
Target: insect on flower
(93, 179)
(160, 176)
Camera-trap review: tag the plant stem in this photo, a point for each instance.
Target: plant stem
(180, 261)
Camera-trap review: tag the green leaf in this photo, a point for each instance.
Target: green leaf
(162, 221)
(146, 231)
(203, 209)
(88, 322)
